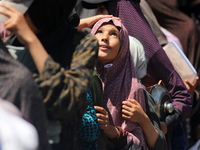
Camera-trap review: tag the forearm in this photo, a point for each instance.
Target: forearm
(151, 113)
(179, 94)
(37, 52)
(151, 134)
(82, 24)
(112, 132)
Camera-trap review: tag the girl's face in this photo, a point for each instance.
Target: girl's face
(109, 43)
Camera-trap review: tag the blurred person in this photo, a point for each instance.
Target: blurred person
(19, 88)
(15, 131)
(171, 16)
(63, 85)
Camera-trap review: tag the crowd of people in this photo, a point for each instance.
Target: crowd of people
(78, 75)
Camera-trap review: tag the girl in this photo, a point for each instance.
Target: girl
(116, 70)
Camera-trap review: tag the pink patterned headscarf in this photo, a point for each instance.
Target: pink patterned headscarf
(120, 84)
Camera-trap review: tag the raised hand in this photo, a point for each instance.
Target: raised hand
(16, 23)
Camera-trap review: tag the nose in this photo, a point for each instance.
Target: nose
(105, 37)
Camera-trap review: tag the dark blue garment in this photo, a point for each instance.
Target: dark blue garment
(89, 128)
(178, 139)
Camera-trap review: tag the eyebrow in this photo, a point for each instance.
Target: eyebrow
(114, 30)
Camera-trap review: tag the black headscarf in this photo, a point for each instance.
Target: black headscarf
(47, 15)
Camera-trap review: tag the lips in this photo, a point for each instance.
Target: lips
(104, 47)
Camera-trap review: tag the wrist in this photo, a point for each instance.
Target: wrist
(112, 132)
(144, 120)
(31, 40)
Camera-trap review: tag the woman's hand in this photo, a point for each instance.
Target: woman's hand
(17, 24)
(88, 22)
(103, 118)
(192, 86)
(132, 111)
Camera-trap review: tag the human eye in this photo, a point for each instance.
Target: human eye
(99, 32)
(114, 34)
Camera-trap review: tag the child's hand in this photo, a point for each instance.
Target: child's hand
(192, 86)
(132, 111)
(92, 20)
(103, 117)
(16, 23)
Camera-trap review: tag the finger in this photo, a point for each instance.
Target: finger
(8, 24)
(8, 7)
(188, 83)
(125, 117)
(124, 102)
(101, 121)
(117, 18)
(102, 116)
(5, 12)
(133, 101)
(126, 112)
(129, 104)
(196, 82)
(127, 107)
(100, 109)
(106, 16)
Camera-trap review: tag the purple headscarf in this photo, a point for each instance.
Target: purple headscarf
(119, 84)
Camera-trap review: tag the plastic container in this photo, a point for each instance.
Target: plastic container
(180, 62)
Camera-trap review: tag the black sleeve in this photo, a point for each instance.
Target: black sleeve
(161, 142)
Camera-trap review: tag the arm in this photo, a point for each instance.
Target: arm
(18, 25)
(132, 111)
(179, 94)
(161, 142)
(64, 91)
(155, 138)
(60, 88)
